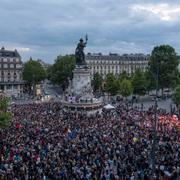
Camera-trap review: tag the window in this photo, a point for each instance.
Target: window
(19, 65)
(17, 60)
(15, 86)
(11, 65)
(8, 87)
(5, 65)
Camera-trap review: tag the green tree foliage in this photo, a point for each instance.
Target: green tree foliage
(126, 88)
(164, 61)
(33, 72)
(111, 84)
(5, 116)
(62, 69)
(49, 72)
(139, 82)
(175, 76)
(3, 103)
(123, 76)
(97, 82)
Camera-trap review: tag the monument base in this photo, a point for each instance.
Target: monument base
(83, 107)
(81, 83)
(80, 96)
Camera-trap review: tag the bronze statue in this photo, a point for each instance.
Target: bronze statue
(79, 53)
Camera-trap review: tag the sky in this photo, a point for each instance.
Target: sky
(44, 29)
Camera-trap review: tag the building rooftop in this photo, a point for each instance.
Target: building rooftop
(114, 56)
(9, 53)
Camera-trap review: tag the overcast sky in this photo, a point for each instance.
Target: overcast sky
(46, 28)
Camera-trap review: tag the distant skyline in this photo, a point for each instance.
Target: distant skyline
(44, 29)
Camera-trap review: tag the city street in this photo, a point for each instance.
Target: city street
(49, 89)
(162, 104)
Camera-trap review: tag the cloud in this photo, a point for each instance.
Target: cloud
(22, 49)
(44, 29)
(163, 11)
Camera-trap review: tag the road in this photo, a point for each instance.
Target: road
(50, 91)
(162, 104)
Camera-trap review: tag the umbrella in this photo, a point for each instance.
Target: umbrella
(109, 106)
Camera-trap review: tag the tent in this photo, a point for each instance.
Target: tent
(109, 107)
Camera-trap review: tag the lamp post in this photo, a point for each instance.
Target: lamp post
(153, 149)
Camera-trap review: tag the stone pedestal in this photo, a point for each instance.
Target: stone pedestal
(80, 96)
(81, 82)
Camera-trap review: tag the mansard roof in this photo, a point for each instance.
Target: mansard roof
(9, 53)
(113, 56)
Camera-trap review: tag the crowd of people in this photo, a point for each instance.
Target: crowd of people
(44, 142)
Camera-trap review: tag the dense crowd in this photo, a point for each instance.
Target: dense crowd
(43, 142)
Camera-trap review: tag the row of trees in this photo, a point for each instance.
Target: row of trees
(162, 73)
(58, 73)
(122, 84)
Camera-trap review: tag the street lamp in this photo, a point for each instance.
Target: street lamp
(153, 161)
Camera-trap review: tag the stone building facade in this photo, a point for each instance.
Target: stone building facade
(116, 64)
(11, 67)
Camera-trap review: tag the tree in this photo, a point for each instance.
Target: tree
(126, 88)
(49, 72)
(33, 73)
(97, 81)
(139, 83)
(175, 78)
(62, 69)
(176, 96)
(123, 76)
(5, 116)
(111, 84)
(163, 63)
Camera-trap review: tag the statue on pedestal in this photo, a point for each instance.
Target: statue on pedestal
(79, 52)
